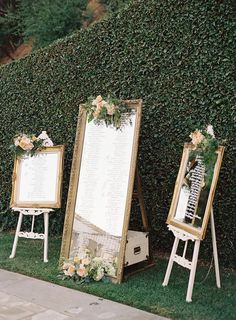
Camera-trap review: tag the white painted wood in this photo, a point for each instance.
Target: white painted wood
(191, 265)
(193, 271)
(31, 235)
(182, 234)
(13, 252)
(45, 253)
(171, 261)
(185, 248)
(215, 253)
(183, 262)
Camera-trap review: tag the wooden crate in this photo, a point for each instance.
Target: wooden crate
(137, 247)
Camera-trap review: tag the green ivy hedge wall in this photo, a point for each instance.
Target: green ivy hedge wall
(178, 56)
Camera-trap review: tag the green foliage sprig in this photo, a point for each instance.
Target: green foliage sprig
(205, 145)
(111, 111)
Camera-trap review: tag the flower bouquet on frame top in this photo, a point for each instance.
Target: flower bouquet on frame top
(88, 269)
(110, 111)
(29, 144)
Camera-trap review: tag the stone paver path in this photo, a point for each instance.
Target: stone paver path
(24, 298)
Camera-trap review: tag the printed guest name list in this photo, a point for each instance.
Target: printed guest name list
(104, 176)
(38, 178)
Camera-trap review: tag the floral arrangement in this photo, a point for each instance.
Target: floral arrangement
(88, 269)
(111, 111)
(205, 145)
(29, 145)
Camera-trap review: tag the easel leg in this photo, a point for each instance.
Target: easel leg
(13, 252)
(45, 254)
(193, 271)
(170, 263)
(215, 254)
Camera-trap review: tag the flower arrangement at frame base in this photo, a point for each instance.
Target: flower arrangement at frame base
(29, 145)
(88, 269)
(205, 145)
(109, 111)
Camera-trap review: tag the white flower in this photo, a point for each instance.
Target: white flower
(111, 271)
(99, 275)
(210, 130)
(47, 142)
(43, 135)
(97, 260)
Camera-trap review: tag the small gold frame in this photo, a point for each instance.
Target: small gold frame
(55, 202)
(196, 231)
(74, 179)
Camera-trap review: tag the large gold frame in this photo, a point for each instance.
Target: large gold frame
(199, 232)
(74, 178)
(15, 201)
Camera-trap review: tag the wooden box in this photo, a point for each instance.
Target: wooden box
(137, 247)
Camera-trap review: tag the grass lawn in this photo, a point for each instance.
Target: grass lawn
(143, 290)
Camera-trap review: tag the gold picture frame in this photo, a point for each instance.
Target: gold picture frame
(37, 180)
(191, 208)
(74, 193)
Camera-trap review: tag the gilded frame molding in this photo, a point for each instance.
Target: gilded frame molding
(74, 179)
(16, 179)
(199, 232)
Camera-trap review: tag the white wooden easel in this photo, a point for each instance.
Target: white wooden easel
(191, 265)
(32, 235)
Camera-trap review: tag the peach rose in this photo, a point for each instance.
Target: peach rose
(100, 105)
(71, 270)
(25, 143)
(97, 112)
(86, 261)
(17, 141)
(197, 137)
(98, 102)
(110, 109)
(82, 272)
(99, 98)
